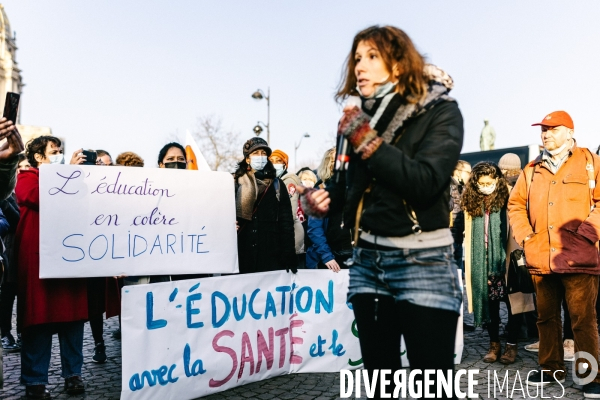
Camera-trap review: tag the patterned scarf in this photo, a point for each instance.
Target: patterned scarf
(390, 112)
(486, 263)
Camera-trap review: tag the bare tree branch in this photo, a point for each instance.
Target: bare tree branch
(221, 148)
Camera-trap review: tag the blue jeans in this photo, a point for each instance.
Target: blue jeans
(424, 277)
(37, 349)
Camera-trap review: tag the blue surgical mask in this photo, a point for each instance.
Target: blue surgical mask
(279, 169)
(57, 159)
(258, 163)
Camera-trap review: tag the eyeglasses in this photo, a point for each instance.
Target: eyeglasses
(488, 184)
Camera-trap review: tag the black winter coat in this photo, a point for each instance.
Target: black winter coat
(267, 242)
(417, 169)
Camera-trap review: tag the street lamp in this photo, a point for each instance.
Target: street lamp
(259, 95)
(296, 146)
(258, 128)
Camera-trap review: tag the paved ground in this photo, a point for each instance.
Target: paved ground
(104, 380)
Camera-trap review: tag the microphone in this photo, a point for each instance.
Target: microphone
(342, 150)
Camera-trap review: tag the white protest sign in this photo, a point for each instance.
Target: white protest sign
(107, 221)
(186, 339)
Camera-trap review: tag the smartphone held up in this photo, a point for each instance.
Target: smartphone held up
(11, 106)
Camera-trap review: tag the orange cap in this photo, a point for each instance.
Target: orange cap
(557, 118)
(281, 155)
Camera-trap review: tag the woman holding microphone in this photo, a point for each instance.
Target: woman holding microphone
(405, 136)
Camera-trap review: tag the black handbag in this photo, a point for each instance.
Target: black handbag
(519, 278)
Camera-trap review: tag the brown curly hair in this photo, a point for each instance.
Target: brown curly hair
(473, 202)
(129, 159)
(395, 48)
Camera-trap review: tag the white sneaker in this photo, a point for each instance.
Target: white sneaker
(533, 347)
(569, 349)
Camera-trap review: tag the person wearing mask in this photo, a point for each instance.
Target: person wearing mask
(331, 241)
(404, 141)
(47, 306)
(486, 236)
(172, 155)
(266, 226)
(280, 162)
(554, 212)
(307, 177)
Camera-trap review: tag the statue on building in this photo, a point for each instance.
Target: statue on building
(10, 74)
(488, 136)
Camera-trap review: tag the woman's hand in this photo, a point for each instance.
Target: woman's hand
(333, 265)
(78, 157)
(355, 126)
(237, 226)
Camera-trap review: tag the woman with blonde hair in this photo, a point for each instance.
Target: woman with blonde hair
(307, 177)
(325, 169)
(331, 241)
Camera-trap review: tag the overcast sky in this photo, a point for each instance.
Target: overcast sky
(126, 74)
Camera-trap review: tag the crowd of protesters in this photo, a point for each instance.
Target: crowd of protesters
(406, 218)
(543, 217)
(272, 234)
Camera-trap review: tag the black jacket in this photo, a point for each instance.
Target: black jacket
(417, 169)
(267, 242)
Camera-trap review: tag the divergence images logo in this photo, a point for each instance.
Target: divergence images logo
(590, 365)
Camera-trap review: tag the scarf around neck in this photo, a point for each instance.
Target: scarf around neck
(390, 112)
(486, 262)
(251, 185)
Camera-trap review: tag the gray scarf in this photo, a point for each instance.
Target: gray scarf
(245, 196)
(248, 189)
(440, 83)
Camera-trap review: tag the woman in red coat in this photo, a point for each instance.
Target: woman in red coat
(47, 306)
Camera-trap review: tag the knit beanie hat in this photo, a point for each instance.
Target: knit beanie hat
(254, 144)
(282, 155)
(510, 161)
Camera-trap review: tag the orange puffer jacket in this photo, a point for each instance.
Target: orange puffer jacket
(566, 231)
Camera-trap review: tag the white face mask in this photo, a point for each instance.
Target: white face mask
(57, 159)
(308, 184)
(279, 169)
(258, 162)
(486, 190)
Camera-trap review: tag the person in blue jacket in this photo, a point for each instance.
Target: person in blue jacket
(331, 243)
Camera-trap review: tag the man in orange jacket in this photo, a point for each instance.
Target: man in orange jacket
(554, 213)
